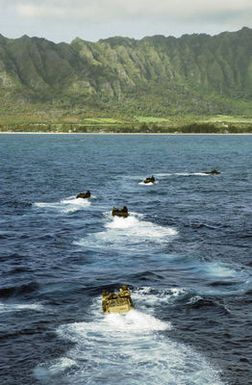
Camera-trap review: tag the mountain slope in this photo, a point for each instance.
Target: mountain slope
(155, 75)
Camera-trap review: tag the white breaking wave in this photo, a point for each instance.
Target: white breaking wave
(68, 205)
(149, 297)
(123, 349)
(4, 307)
(129, 231)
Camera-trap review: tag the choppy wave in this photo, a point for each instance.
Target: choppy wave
(198, 302)
(68, 205)
(129, 231)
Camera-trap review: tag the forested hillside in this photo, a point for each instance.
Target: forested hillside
(157, 75)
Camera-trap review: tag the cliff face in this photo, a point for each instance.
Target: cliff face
(194, 73)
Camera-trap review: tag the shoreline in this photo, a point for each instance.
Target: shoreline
(124, 133)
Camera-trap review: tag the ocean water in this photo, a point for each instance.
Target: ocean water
(185, 251)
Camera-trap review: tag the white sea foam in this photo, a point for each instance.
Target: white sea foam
(219, 270)
(222, 272)
(129, 231)
(132, 348)
(148, 184)
(68, 205)
(147, 296)
(12, 307)
(140, 229)
(53, 369)
(133, 322)
(195, 299)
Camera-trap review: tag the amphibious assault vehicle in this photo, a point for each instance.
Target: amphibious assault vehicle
(120, 212)
(117, 302)
(84, 195)
(212, 172)
(150, 179)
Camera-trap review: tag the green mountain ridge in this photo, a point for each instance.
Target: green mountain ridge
(193, 74)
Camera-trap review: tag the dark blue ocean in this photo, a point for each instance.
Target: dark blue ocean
(185, 252)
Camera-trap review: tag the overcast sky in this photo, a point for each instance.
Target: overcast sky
(63, 20)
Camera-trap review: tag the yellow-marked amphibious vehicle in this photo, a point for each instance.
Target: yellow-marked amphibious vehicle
(117, 302)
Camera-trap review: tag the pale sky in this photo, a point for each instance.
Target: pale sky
(63, 20)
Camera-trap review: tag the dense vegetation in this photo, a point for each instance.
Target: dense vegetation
(48, 86)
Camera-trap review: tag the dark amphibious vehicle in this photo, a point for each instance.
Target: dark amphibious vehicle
(117, 302)
(124, 213)
(214, 171)
(84, 195)
(150, 179)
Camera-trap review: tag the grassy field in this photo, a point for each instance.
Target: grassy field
(62, 121)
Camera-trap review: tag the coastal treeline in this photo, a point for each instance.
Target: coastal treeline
(191, 128)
